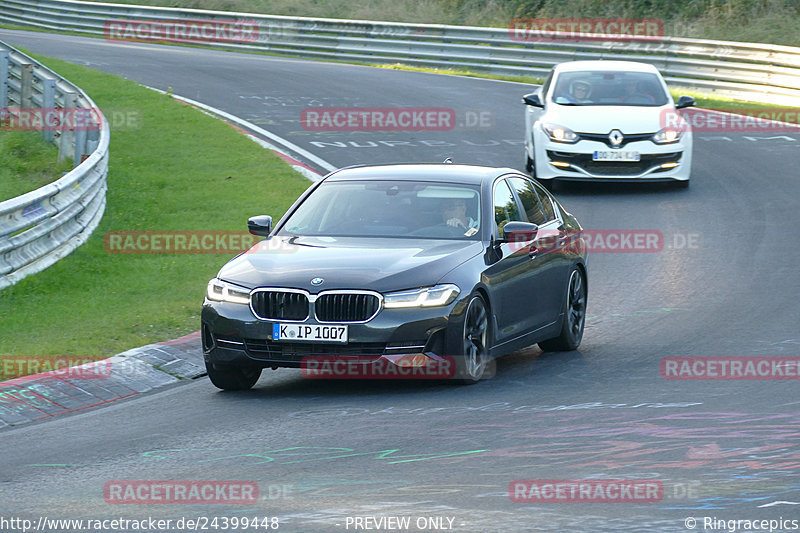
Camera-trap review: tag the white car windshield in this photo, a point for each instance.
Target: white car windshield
(609, 88)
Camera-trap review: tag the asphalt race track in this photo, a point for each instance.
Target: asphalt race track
(724, 284)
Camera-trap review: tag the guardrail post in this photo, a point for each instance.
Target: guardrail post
(4, 78)
(26, 85)
(81, 124)
(3, 85)
(66, 147)
(93, 133)
(49, 104)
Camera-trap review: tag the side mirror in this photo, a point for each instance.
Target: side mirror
(533, 100)
(260, 225)
(685, 101)
(519, 232)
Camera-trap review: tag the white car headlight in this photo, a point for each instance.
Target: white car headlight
(426, 297)
(668, 135)
(560, 134)
(221, 291)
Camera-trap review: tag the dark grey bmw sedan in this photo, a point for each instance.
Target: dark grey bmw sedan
(404, 267)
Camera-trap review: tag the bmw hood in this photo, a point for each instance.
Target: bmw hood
(381, 264)
(603, 119)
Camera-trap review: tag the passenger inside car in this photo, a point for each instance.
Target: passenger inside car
(636, 92)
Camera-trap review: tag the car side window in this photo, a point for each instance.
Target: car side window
(530, 200)
(505, 206)
(547, 203)
(546, 85)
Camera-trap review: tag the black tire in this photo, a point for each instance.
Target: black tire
(530, 168)
(682, 184)
(227, 377)
(471, 353)
(574, 315)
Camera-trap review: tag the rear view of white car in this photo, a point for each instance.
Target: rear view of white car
(606, 121)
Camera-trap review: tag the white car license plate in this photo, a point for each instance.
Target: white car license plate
(615, 155)
(309, 333)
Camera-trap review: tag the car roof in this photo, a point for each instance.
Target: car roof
(572, 66)
(465, 174)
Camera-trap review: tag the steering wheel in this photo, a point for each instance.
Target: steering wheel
(638, 99)
(439, 230)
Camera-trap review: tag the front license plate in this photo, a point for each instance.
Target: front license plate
(615, 155)
(309, 333)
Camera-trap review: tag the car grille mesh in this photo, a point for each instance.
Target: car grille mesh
(603, 138)
(616, 168)
(273, 305)
(286, 351)
(333, 307)
(339, 307)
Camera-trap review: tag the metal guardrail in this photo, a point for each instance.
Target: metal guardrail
(751, 71)
(40, 227)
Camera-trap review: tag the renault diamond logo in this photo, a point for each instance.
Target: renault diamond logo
(317, 281)
(616, 138)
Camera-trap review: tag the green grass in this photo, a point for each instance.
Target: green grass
(27, 162)
(172, 168)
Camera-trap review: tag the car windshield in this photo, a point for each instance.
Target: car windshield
(609, 88)
(384, 208)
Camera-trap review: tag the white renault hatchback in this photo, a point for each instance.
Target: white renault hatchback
(606, 121)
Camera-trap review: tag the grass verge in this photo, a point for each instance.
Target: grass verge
(27, 162)
(172, 168)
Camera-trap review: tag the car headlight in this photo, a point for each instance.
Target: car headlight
(667, 135)
(560, 134)
(425, 297)
(221, 291)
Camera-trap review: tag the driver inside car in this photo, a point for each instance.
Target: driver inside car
(454, 214)
(579, 92)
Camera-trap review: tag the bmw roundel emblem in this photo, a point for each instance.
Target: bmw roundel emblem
(317, 281)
